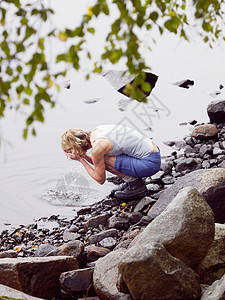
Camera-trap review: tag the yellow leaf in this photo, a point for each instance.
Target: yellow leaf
(50, 84)
(123, 204)
(17, 249)
(62, 36)
(34, 247)
(90, 11)
(122, 211)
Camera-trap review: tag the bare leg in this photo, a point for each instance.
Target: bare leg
(109, 165)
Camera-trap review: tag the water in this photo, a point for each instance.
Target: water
(36, 178)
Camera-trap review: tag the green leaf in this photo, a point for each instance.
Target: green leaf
(91, 30)
(25, 131)
(28, 91)
(154, 16)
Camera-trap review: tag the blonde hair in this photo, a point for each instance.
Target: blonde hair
(76, 140)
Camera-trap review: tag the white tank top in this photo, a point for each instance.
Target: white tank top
(125, 140)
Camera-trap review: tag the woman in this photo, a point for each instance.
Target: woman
(118, 149)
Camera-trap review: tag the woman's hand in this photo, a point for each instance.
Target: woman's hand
(72, 156)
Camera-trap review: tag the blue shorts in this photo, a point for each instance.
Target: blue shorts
(138, 167)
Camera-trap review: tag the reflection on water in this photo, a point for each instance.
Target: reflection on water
(72, 189)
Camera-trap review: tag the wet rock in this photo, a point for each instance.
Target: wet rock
(105, 277)
(210, 183)
(77, 282)
(216, 291)
(205, 131)
(216, 111)
(37, 276)
(158, 270)
(212, 267)
(94, 253)
(187, 210)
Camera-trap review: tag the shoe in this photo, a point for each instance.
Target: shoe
(121, 187)
(137, 188)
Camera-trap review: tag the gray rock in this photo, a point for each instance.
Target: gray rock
(44, 249)
(187, 163)
(10, 293)
(37, 276)
(108, 242)
(143, 204)
(217, 151)
(94, 222)
(118, 223)
(150, 272)
(8, 254)
(216, 111)
(96, 238)
(205, 149)
(105, 277)
(70, 236)
(76, 282)
(185, 228)
(216, 291)
(210, 183)
(166, 167)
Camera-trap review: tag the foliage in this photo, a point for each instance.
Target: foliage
(27, 82)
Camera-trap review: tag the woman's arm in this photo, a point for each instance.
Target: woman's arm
(87, 158)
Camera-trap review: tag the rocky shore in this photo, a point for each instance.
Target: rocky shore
(168, 245)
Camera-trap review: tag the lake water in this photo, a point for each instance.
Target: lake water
(33, 173)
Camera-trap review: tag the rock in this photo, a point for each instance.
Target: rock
(186, 83)
(127, 238)
(93, 252)
(8, 254)
(169, 143)
(10, 293)
(37, 276)
(94, 222)
(105, 277)
(204, 131)
(108, 242)
(205, 149)
(212, 267)
(118, 223)
(210, 183)
(96, 238)
(44, 249)
(70, 236)
(187, 163)
(133, 217)
(74, 249)
(216, 111)
(76, 282)
(216, 291)
(143, 204)
(185, 228)
(166, 167)
(150, 272)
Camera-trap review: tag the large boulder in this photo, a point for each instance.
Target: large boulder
(212, 267)
(216, 111)
(210, 184)
(106, 275)
(150, 272)
(37, 276)
(186, 228)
